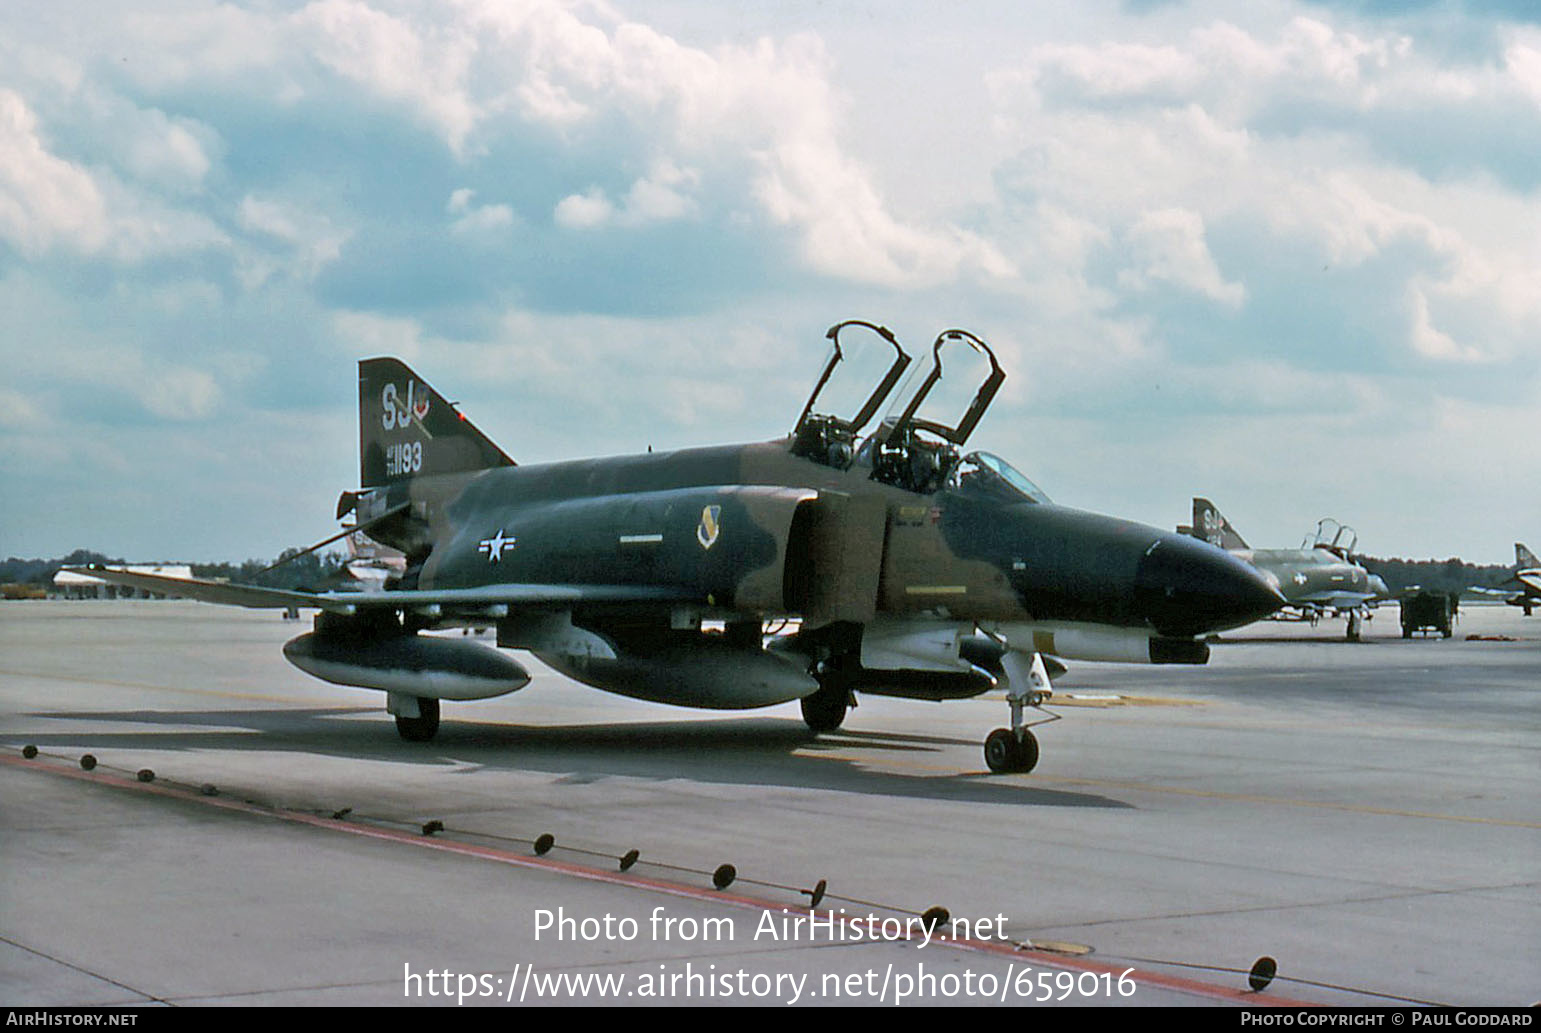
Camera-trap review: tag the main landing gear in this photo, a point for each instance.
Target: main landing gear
(417, 717)
(1007, 750)
(826, 709)
(1015, 749)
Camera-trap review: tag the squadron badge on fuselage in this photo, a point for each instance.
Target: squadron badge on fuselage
(709, 527)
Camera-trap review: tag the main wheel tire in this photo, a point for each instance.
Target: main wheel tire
(824, 711)
(423, 727)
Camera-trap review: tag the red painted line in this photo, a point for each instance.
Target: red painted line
(1141, 977)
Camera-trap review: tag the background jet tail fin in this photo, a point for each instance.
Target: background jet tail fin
(1524, 558)
(1209, 525)
(407, 429)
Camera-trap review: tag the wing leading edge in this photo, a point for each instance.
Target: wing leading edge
(257, 597)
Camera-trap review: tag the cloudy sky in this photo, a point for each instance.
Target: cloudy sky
(1285, 254)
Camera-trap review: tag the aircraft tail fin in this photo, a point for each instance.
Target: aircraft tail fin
(1524, 558)
(407, 429)
(1209, 525)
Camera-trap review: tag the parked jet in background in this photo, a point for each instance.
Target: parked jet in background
(1318, 579)
(1526, 575)
(370, 565)
(908, 568)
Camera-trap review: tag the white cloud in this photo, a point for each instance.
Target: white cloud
(422, 67)
(162, 48)
(1116, 69)
(660, 197)
(760, 122)
(477, 219)
(754, 127)
(45, 201)
(1168, 245)
(1230, 128)
(584, 211)
(169, 152)
(312, 238)
(368, 334)
(178, 394)
(48, 203)
(1522, 61)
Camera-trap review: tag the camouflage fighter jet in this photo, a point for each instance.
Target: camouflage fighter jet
(1318, 579)
(898, 564)
(1526, 575)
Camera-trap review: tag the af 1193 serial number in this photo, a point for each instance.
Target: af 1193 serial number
(405, 457)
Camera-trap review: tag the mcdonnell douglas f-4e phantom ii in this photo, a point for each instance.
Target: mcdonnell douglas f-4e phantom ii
(906, 567)
(1317, 579)
(1524, 575)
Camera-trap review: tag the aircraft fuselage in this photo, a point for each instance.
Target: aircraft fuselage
(763, 533)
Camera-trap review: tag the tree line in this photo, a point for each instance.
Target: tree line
(314, 571)
(1451, 575)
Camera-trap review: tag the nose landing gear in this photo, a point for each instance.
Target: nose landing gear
(1355, 625)
(1015, 749)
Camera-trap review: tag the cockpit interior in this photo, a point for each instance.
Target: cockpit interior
(913, 446)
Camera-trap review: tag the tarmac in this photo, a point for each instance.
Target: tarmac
(1367, 814)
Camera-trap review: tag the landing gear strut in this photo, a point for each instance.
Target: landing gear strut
(1015, 749)
(420, 726)
(1355, 625)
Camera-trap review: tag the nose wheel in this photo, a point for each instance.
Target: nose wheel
(1008, 752)
(1014, 750)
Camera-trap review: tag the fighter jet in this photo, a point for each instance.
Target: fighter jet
(1318, 579)
(1526, 575)
(896, 563)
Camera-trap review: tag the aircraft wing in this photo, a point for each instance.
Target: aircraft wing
(257, 597)
(1336, 600)
(1530, 579)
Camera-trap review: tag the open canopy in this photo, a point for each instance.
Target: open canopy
(1338, 539)
(865, 363)
(915, 448)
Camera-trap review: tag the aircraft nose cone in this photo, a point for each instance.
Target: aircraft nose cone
(1187, 587)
